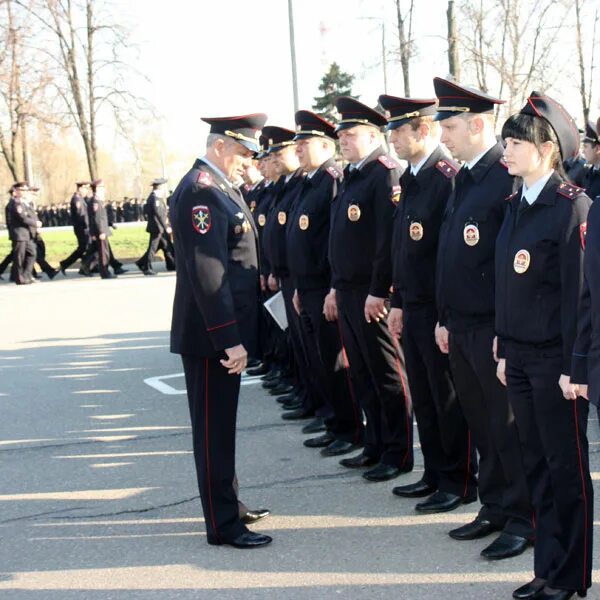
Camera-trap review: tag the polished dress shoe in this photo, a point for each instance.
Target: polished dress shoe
(272, 374)
(252, 516)
(299, 413)
(52, 274)
(506, 545)
(253, 362)
(321, 441)
(249, 539)
(549, 593)
(474, 530)
(358, 462)
(287, 398)
(121, 271)
(293, 404)
(269, 384)
(381, 472)
(529, 590)
(338, 448)
(441, 502)
(147, 272)
(281, 389)
(420, 489)
(315, 426)
(258, 370)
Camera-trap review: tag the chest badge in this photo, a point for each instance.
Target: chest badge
(416, 231)
(246, 227)
(471, 234)
(353, 212)
(522, 261)
(281, 217)
(262, 220)
(303, 222)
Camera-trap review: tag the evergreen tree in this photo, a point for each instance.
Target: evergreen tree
(334, 83)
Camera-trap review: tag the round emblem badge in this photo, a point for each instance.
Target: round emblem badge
(262, 220)
(522, 261)
(353, 212)
(416, 231)
(303, 222)
(471, 234)
(281, 217)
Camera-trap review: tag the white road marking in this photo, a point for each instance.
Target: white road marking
(158, 383)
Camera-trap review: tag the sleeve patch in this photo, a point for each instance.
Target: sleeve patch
(201, 219)
(582, 234)
(388, 162)
(396, 191)
(570, 191)
(447, 168)
(204, 178)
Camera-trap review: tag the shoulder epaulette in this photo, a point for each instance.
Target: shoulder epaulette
(334, 172)
(509, 198)
(388, 162)
(204, 178)
(570, 191)
(447, 168)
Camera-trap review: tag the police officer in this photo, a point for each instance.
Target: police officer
(99, 231)
(155, 211)
(591, 152)
(539, 254)
(20, 221)
(308, 242)
(214, 313)
(361, 276)
(40, 245)
(465, 293)
(450, 462)
(79, 220)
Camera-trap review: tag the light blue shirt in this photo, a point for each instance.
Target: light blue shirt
(531, 193)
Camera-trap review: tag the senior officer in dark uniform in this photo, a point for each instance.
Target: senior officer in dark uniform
(155, 211)
(99, 232)
(80, 223)
(20, 221)
(361, 267)
(465, 293)
(591, 151)
(450, 458)
(307, 245)
(539, 258)
(214, 313)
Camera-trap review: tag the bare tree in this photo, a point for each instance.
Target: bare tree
(405, 40)
(453, 58)
(585, 88)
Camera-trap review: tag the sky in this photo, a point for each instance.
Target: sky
(229, 57)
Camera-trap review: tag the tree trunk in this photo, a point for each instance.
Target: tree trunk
(91, 90)
(453, 59)
(405, 49)
(584, 99)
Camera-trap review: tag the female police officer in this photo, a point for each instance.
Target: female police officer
(539, 253)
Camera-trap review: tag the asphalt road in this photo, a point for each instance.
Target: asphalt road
(98, 497)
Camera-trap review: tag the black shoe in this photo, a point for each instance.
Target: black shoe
(506, 545)
(382, 472)
(299, 413)
(63, 269)
(529, 590)
(420, 489)
(258, 370)
(475, 530)
(147, 272)
(322, 441)
(315, 426)
(358, 462)
(442, 502)
(252, 516)
(109, 276)
(281, 389)
(121, 270)
(248, 539)
(272, 374)
(287, 398)
(293, 404)
(253, 362)
(142, 269)
(338, 448)
(52, 274)
(269, 384)
(549, 593)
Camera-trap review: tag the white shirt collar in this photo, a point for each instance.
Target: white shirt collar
(288, 177)
(473, 162)
(215, 169)
(311, 173)
(360, 163)
(414, 169)
(531, 193)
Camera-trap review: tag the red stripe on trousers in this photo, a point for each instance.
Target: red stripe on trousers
(406, 401)
(206, 450)
(585, 505)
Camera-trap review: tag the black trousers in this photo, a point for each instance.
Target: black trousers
(554, 443)
(299, 359)
(450, 457)
(213, 400)
(79, 252)
(7, 260)
(24, 254)
(158, 241)
(98, 255)
(328, 367)
(46, 267)
(502, 486)
(377, 371)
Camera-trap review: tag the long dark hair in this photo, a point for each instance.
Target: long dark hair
(537, 131)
